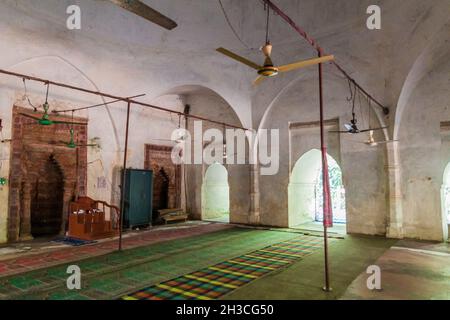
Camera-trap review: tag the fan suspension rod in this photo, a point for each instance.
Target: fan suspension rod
(316, 46)
(114, 97)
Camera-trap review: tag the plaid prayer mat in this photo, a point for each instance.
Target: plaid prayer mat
(215, 281)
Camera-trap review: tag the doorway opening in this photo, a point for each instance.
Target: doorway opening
(216, 194)
(47, 200)
(305, 191)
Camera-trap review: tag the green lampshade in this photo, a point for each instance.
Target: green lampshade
(3, 181)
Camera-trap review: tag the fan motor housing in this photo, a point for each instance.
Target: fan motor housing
(268, 71)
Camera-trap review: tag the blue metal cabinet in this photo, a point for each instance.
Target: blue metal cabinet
(138, 198)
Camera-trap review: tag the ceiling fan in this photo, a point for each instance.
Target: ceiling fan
(72, 144)
(141, 9)
(45, 119)
(268, 69)
(352, 128)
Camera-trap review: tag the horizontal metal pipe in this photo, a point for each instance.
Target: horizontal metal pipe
(95, 105)
(98, 93)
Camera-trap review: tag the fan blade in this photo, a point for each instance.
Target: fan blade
(305, 63)
(367, 130)
(71, 123)
(384, 142)
(162, 140)
(141, 9)
(29, 116)
(86, 145)
(54, 121)
(258, 80)
(238, 58)
(339, 131)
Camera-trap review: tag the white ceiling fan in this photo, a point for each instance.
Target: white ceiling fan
(371, 142)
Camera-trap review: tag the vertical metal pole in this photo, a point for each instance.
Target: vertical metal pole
(324, 177)
(122, 204)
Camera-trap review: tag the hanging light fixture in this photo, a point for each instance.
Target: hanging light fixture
(181, 137)
(72, 144)
(45, 120)
(224, 143)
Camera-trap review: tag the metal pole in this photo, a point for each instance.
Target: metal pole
(325, 179)
(122, 205)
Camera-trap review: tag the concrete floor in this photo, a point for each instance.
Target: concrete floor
(222, 219)
(410, 270)
(338, 228)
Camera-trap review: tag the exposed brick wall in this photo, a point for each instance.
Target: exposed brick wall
(158, 159)
(33, 149)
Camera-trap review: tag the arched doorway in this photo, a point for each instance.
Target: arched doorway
(161, 190)
(305, 191)
(216, 194)
(445, 198)
(47, 196)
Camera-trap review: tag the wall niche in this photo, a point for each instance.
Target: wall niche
(45, 174)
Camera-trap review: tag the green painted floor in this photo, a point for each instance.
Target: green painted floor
(113, 275)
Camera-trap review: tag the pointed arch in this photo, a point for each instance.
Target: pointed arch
(215, 193)
(305, 189)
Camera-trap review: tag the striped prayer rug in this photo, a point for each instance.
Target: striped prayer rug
(215, 281)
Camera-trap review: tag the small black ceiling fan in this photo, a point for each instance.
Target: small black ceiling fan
(352, 127)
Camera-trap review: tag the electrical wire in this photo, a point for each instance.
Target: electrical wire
(26, 95)
(232, 28)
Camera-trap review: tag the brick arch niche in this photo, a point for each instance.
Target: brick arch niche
(166, 177)
(45, 175)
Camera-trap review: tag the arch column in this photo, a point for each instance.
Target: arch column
(68, 196)
(445, 221)
(395, 215)
(25, 221)
(255, 215)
